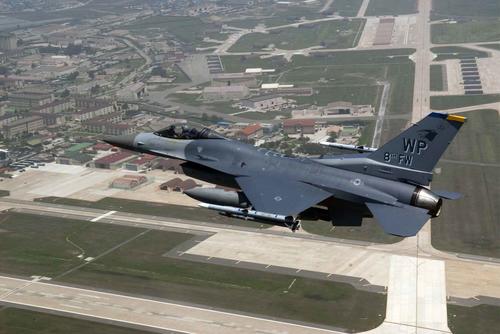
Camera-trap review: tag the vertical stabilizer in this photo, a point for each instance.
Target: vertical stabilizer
(420, 146)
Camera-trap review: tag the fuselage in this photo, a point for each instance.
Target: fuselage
(234, 158)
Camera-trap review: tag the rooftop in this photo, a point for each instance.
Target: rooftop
(115, 157)
(251, 129)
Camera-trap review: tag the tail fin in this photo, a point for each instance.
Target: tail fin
(420, 146)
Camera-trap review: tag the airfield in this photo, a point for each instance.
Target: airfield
(147, 260)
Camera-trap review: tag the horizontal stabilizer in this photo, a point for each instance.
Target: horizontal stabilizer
(403, 221)
(447, 194)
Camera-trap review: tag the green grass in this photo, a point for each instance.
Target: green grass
(459, 101)
(391, 128)
(188, 30)
(493, 46)
(367, 134)
(470, 225)
(4, 193)
(477, 319)
(18, 321)
(437, 78)
(350, 76)
(141, 267)
(466, 32)
(355, 94)
(465, 8)
(391, 7)
(336, 34)
(153, 209)
(54, 251)
(346, 7)
(278, 16)
(369, 231)
(456, 52)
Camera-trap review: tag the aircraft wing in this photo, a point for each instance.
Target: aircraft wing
(280, 195)
(402, 220)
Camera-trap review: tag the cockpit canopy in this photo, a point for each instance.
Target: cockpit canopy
(185, 132)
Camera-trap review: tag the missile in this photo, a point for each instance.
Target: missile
(359, 148)
(218, 197)
(287, 221)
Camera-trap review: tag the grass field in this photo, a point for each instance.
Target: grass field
(478, 319)
(153, 209)
(346, 7)
(352, 76)
(18, 321)
(465, 8)
(466, 32)
(456, 52)
(493, 46)
(336, 34)
(436, 77)
(354, 94)
(278, 16)
(391, 7)
(458, 101)
(470, 225)
(137, 264)
(189, 30)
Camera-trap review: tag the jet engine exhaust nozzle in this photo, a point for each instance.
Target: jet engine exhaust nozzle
(426, 199)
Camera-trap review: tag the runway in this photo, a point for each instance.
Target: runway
(401, 317)
(416, 282)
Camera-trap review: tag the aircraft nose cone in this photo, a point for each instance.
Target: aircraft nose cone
(126, 141)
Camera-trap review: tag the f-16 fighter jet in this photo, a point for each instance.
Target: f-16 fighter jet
(389, 184)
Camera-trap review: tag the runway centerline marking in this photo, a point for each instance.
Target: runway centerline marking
(104, 215)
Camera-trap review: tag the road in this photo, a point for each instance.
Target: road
(422, 58)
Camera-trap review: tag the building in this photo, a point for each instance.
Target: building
(93, 112)
(108, 128)
(170, 164)
(8, 118)
(55, 106)
(299, 126)
(73, 158)
(113, 161)
(234, 79)
(252, 131)
(52, 119)
(265, 102)
(128, 182)
(132, 92)
(23, 126)
(28, 99)
(141, 163)
(8, 41)
(10, 83)
(345, 108)
(86, 102)
(225, 93)
(178, 184)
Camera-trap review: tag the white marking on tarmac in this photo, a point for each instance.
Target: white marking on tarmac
(291, 284)
(109, 213)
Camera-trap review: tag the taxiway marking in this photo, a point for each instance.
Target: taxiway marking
(104, 215)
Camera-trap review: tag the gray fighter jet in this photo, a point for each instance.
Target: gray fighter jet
(389, 184)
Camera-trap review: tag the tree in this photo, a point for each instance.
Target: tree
(95, 90)
(72, 76)
(65, 93)
(91, 75)
(159, 71)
